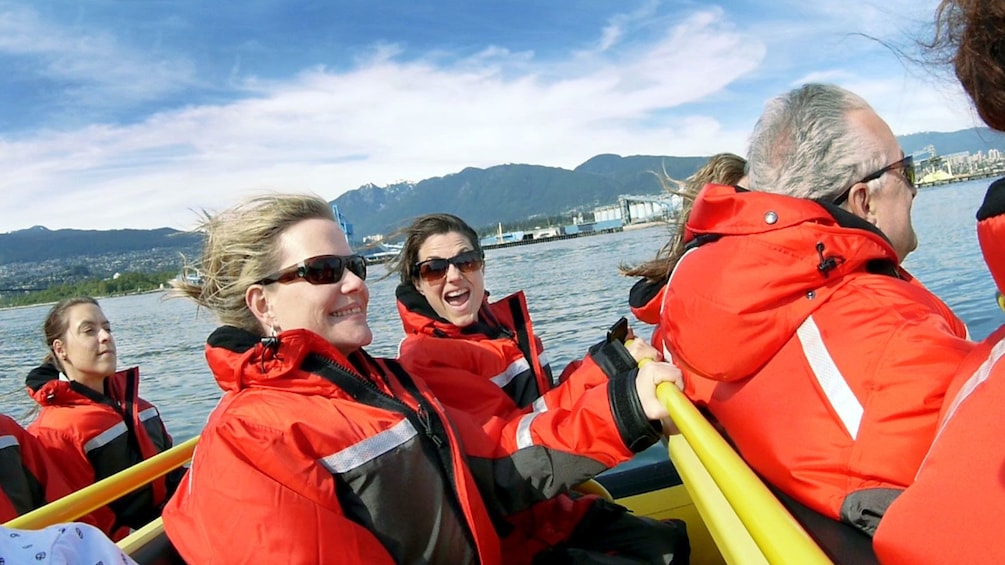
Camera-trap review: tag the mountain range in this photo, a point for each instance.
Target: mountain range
(508, 193)
(483, 197)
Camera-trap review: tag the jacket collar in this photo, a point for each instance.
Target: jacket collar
(240, 359)
(417, 316)
(46, 387)
(732, 210)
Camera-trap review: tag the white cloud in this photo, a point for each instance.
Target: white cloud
(648, 89)
(385, 120)
(619, 24)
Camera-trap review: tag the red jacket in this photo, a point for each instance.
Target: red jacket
(338, 433)
(502, 344)
(30, 478)
(824, 362)
(954, 511)
(93, 436)
(490, 369)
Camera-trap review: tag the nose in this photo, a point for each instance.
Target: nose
(454, 273)
(351, 282)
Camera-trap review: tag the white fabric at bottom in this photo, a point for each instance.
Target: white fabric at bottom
(71, 543)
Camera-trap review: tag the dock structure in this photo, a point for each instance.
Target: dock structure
(997, 172)
(529, 241)
(512, 239)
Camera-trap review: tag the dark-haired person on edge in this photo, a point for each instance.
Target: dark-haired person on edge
(954, 511)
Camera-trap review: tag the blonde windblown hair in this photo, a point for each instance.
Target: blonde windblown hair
(240, 247)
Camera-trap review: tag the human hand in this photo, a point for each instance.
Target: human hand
(651, 375)
(642, 351)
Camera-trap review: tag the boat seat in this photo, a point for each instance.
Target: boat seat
(595, 487)
(843, 543)
(640, 479)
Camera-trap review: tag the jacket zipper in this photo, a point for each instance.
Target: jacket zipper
(422, 416)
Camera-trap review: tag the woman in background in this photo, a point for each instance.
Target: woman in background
(483, 358)
(92, 420)
(646, 296)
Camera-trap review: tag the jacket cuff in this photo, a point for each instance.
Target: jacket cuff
(636, 430)
(612, 357)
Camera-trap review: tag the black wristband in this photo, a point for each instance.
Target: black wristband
(637, 431)
(612, 357)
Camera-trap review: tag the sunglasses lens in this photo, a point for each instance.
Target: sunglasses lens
(329, 270)
(467, 263)
(357, 265)
(326, 270)
(433, 270)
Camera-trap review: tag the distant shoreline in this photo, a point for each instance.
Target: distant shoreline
(99, 298)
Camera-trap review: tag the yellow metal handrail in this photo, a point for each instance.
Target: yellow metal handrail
(89, 499)
(774, 530)
(141, 537)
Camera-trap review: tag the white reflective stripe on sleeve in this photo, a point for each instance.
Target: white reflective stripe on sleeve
(832, 382)
(667, 354)
(8, 441)
(523, 436)
(105, 437)
(539, 405)
(369, 449)
(514, 369)
(543, 359)
(148, 413)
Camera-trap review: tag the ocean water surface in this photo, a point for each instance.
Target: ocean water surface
(573, 288)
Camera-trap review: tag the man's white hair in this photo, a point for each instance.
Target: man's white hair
(804, 146)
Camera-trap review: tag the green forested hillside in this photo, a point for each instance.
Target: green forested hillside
(39, 243)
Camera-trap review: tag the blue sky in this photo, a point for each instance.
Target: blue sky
(118, 114)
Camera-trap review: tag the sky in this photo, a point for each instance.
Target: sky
(118, 114)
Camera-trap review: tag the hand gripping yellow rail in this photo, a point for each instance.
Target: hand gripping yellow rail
(773, 529)
(99, 494)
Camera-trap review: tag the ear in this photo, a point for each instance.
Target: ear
(418, 286)
(860, 201)
(259, 305)
(58, 348)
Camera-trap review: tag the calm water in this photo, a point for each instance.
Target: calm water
(573, 289)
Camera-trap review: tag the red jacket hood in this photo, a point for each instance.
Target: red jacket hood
(645, 299)
(418, 317)
(46, 388)
(991, 231)
(240, 359)
(759, 265)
